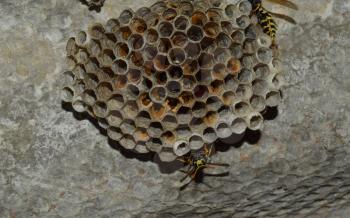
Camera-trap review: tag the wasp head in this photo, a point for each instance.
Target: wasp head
(200, 163)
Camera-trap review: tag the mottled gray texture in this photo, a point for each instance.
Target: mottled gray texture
(53, 165)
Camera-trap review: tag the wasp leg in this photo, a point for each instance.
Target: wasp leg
(188, 173)
(185, 185)
(193, 175)
(182, 160)
(196, 171)
(274, 47)
(205, 148)
(211, 147)
(183, 171)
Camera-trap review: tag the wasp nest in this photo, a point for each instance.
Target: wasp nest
(174, 76)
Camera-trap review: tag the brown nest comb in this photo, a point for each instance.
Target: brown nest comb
(174, 76)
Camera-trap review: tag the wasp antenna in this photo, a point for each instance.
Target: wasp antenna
(183, 171)
(211, 147)
(286, 3)
(181, 160)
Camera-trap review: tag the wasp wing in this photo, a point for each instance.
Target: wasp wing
(286, 3)
(218, 174)
(218, 164)
(284, 17)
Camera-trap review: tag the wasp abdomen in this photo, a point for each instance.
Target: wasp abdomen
(266, 22)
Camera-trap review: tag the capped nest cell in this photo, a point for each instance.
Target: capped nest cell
(174, 76)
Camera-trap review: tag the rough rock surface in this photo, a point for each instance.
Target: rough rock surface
(54, 163)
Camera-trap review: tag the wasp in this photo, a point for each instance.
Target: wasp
(265, 19)
(197, 161)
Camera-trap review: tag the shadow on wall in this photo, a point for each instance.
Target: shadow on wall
(222, 145)
(93, 6)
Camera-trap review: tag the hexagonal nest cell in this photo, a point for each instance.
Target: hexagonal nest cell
(174, 76)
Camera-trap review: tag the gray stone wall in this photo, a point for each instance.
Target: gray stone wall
(55, 163)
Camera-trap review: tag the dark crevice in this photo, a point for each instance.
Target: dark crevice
(82, 116)
(92, 6)
(130, 154)
(270, 113)
(222, 145)
(236, 141)
(113, 144)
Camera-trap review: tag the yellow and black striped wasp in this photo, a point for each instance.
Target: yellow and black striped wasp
(197, 161)
(265, 19)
